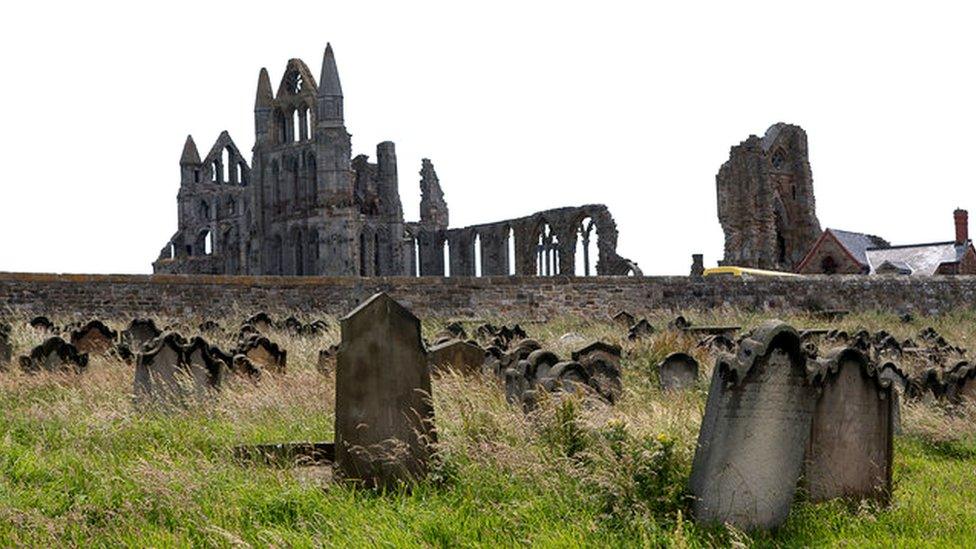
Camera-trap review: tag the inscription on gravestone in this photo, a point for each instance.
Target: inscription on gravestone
(850, 450)
(754, 432)
(384, 416)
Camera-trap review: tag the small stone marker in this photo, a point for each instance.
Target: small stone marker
(754, 433)
(602, 363)
(677, 371)
(463, 356)
(961, 385)
(42, 324)
(384, 415)
(624, 318)
(850, 450)
(641, 328)
(94, 338)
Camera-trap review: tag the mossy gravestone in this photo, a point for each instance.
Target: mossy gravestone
(754, 432)
(462, 356)
(384, 416)
(850, 450)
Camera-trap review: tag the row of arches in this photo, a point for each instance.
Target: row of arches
(500, 251)
(293, 181)
(295, 254)
(295, 126)
(226, 167)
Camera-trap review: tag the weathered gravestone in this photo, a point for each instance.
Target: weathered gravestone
(754, 433)
(677, 371)
(168, 372)
(140, 332)
(642, 328)
(94, 338)
(43, 324)
(264, 353)
(602, 363)
(462, 356)
(850, 449)
(624, 318)
(961, 384)
(891, 373)
(54, 355)
(384, 416)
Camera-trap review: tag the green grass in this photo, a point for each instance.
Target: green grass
(81, 466)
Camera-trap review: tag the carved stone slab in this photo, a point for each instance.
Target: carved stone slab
(677, 371)
(384, 415)
(850, 450)
(94, 338)
(462, 356)
(754, 433)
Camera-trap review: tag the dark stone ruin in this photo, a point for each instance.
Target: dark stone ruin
(384, 423)
(850, 449)
(54, 355)
(754, 433)
(677, 371)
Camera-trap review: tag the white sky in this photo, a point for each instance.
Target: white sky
(522, 106)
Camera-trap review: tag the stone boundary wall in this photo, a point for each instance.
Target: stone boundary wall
(528, 298)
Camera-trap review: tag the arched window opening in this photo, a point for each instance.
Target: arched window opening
(415, 248)
(204, 210)
(477, 255)
(586, 248)
(780, 248)
(298, 253)
(231, 206)
(312, 259)
(308, 124)
(226, 167)
(172, 250)
(276, 182)
(241, 179)
(547, 252)
(447, 258)
(511, 251)
(207, 243)
(196, 176)
(313, 174)
(215, 172)
(296, 125)
(376, 254)
(362, 254)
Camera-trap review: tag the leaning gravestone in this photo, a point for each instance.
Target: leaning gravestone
(754, 432)
(140, 332)
(677, 371)
(168, 372)
(384, 416)
(850, 450)
(54, 355)
(462, 356)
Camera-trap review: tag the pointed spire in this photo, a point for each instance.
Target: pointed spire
(329, 80)
(264, 97)
(190, 153)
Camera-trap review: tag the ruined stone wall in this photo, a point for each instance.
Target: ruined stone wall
(516, 298)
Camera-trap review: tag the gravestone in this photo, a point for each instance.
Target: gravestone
(54, 355)
(850, 449)
(642, 328)
(261, 321)
(42, 324)
(94, 338)
(624, 318)
(961, 385)
(677, 371)
(140, 332)
(207, 363)
(327, 360)
(602, 364)
(462, 356)
(384, 417)
(160, 370)
(754, 432)
(264, 353)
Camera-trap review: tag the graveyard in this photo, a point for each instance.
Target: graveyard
(666, 427)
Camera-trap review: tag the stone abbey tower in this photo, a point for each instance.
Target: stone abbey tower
(766, 204)
(306, 206)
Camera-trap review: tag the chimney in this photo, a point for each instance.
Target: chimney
(962, 225)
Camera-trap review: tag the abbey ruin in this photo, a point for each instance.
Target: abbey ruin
(306, 206)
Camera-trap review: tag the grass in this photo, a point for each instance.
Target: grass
(80, 466)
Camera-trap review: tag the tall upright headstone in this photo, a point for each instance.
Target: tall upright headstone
(754, 432)
(384, 423)
(850, 450)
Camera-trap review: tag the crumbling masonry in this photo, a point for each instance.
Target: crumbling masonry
(765, 200)
(305, 206)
